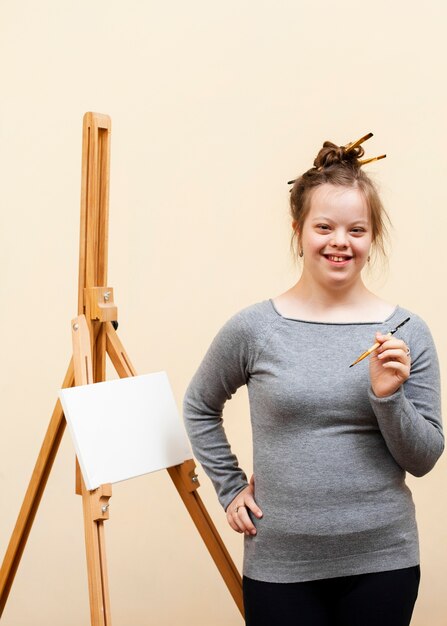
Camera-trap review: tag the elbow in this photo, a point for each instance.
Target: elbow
(425, 465)
(420, 471)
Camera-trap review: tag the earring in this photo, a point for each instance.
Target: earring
(301, 253)
(369, 258)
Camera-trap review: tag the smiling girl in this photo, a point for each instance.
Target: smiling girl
(329, 522)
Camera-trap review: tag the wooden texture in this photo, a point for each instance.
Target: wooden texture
(33, 495)
(89, 346)
(119, 357)
(99, 354)
(100, 304)
(180, 475)
(98, 586)
(82, 356)
(93, 241)
(82, 361)
(94, 503)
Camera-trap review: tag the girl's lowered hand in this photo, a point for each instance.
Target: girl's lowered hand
(237, 510)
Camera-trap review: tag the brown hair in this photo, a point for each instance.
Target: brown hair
(340, 166)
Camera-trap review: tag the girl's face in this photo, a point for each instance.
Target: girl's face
(336, 236)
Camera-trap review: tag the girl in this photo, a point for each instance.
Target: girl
(329, 523)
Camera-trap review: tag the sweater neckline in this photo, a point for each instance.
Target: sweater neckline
(294, 319)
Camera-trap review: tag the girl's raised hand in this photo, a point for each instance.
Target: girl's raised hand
(389, 365)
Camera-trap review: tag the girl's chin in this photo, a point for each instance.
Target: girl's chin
(340, 277)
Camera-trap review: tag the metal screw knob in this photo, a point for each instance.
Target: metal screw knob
(75, 326)
(107, 296)
(104, 508)
(195, 479)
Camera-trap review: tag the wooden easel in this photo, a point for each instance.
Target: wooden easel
(94, 336)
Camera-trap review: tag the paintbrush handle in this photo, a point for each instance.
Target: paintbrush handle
(377, 344)
(368, 352)
(371, 349)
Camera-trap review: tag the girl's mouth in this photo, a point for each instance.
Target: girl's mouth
(338, 260)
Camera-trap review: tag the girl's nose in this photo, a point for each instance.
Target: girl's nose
(339, 239)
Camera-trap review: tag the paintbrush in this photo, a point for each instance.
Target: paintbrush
(377, 344)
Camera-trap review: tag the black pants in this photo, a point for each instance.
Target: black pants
(377, 599)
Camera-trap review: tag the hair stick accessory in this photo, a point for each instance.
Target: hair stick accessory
(348, 148)
(356, 144)
(377, 158)
(377, 344)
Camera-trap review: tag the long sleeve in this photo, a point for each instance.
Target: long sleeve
(410, 419)
(329, 457)
(223, 370)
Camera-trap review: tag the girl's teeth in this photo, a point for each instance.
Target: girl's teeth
(337, 258)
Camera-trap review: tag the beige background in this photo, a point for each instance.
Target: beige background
(214, 107)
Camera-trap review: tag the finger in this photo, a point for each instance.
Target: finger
(389, 341)
(381, 338)
(232, 516)
(235, 512)
(233, 520)
(393, 343)
(233, 524)
(398, 367)
(397, 353)
(244, 518)
(238, 519)
(251, 504)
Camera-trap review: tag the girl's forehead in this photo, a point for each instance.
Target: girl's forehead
(347, 202)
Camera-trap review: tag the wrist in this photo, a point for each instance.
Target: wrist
(385, 396)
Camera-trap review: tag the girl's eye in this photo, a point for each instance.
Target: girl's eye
(323, 227)
(358, 230)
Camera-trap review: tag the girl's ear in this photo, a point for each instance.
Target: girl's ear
(296, 237)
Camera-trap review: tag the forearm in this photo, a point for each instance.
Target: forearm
(414, 440)
(212, 449)
(223, 370)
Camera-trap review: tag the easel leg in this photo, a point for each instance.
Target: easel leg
(33, 495)
(183, 477)
(117, 353)
(94, 503)
(95, 512)
(99, 354)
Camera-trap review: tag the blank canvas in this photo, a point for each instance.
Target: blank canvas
(124, 428)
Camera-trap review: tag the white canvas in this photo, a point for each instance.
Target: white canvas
(124, 428)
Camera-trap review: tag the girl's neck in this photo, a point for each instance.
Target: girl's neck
(307, 300)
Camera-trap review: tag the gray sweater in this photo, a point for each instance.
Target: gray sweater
(329, 456)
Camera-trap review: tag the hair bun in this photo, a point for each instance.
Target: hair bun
(331, 154)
